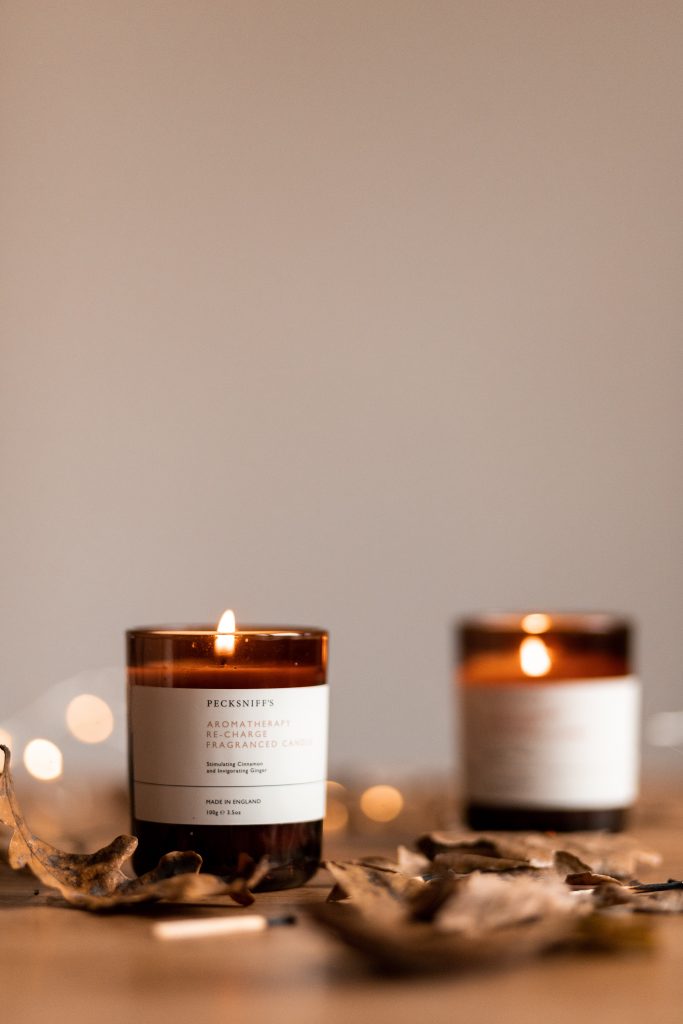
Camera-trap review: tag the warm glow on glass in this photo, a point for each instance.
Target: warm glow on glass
(225, 640)
(537, 622)
(336, 816)
(43, 760)
(534, 657)
(90, 718)
(381, 803)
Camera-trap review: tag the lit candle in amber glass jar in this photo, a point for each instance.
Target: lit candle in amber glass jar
(549, 721)
(228, 746)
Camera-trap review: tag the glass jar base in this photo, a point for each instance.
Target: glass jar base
(293, 850)
(489, 818)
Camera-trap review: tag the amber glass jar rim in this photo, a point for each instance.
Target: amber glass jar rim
(560, 622)
(266, 632)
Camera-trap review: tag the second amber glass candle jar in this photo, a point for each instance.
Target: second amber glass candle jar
(550, 717)
(228, 747)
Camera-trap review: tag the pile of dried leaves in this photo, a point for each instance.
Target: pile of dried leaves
(467, 900)
(460, 900)
(96, 881)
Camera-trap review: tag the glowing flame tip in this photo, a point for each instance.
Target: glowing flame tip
(225, 633)
(536, 622)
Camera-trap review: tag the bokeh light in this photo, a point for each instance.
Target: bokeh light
(336, 814)
(43, 760)
(381, 803)
(89, 718)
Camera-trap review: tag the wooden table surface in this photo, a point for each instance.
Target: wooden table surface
(59, 964)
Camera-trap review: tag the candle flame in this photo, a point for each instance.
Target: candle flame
(534, 657)
(225, 633)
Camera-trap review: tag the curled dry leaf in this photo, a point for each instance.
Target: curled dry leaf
(566, 863)
(463, 862)
(96, 881)
(468, 900)
(589, 880)
(667, 902)
(487, 902)
(417, 947)
(437, 890)
(603, 853)
(663, 898)
(439, 921)
(410, 862)
(380, 889)
(449, 923)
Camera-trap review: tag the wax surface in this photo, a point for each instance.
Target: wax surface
(224, 674)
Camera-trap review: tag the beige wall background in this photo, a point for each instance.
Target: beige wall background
(357, 314)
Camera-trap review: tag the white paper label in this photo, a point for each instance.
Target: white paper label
(571, 744)
(229, 757)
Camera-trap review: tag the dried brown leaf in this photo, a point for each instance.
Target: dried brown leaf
(369, 875)
(487, 902)
(566, 863)
(590, 880)
(612, 895)
(412, 863)
(416, 947)
(96, 881)
(447, 921)
(479, 901)
(604, 853)
(463, 862)
(514, 846)
(666, 902)
(378, 889)
(426, 902)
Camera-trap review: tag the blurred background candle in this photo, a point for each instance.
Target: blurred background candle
(549, 721)
(228, 746)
